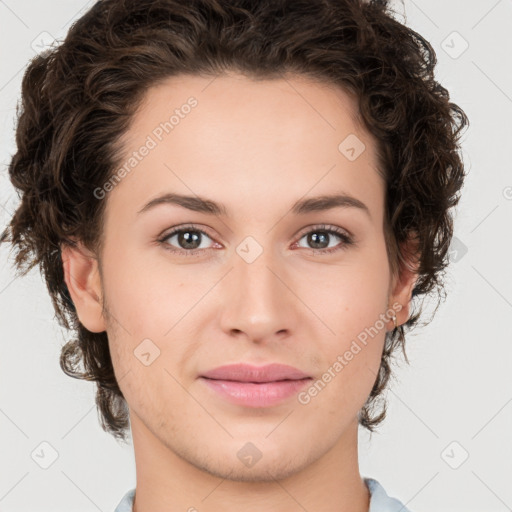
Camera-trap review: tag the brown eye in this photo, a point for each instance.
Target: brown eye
(188, 240)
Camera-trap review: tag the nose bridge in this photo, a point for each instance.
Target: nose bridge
(256, 267)
(258, 301)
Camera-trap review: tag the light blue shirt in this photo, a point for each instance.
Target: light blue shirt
(379, 499)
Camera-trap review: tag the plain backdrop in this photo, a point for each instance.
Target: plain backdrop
(446, 443)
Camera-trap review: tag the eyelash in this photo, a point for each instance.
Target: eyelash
(347, 240)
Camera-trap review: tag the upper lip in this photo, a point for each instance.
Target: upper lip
(250, 373)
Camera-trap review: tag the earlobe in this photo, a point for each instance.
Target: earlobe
(83, 280)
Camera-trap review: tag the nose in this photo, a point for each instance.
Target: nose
(257, 297)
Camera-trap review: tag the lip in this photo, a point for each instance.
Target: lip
(256, 386)
(249, 373)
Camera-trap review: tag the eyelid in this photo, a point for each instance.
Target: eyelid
(177, 229)
(324, 227)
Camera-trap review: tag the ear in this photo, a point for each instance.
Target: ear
(83, 280)
(403, 283)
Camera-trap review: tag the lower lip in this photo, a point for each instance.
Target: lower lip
(251, 394)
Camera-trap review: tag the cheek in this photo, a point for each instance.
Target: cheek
(139, 296)
(353, 305)
(353, 297)
(149, 309)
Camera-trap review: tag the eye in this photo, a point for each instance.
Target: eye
(190, 240)
(320, 236)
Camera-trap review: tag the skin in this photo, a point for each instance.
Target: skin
(256, 147)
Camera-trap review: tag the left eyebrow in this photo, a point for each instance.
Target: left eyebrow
(301, 207)
(327, 202)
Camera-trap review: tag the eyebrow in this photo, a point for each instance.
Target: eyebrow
(300, 207)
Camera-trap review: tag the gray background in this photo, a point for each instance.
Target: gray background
(446, 444)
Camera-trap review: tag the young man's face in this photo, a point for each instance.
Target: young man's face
(256, 288)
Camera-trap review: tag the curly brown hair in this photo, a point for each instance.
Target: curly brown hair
(78, 100)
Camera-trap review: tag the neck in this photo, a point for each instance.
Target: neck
(168, 482)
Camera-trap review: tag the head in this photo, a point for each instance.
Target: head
(268, 111)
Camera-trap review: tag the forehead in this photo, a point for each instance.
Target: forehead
(227, 102)
(234, 137)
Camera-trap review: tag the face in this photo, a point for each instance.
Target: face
(259, 281)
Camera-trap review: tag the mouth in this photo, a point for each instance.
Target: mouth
(256, 394)
(255, 386)
(242, 372)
